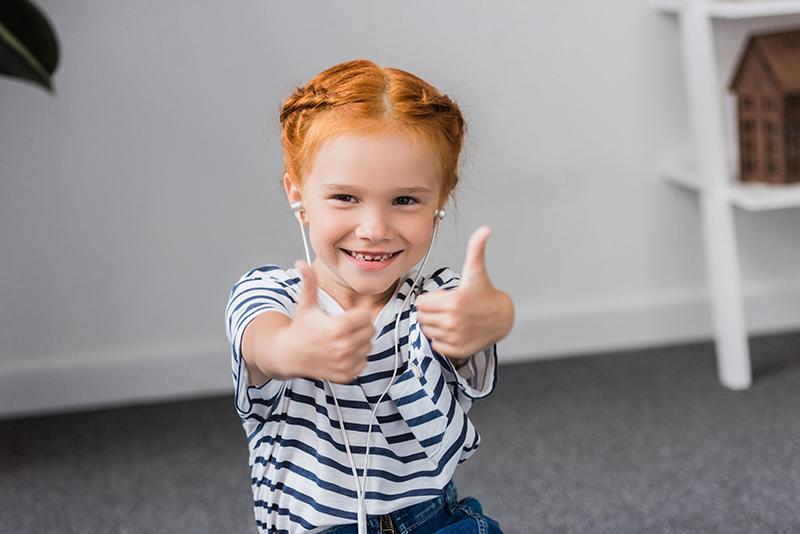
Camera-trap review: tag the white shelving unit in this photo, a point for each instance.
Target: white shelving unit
(732, 9)
(710, 177)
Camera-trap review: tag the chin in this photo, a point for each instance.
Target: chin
(373, 288)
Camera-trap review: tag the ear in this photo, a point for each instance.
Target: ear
(293, 194)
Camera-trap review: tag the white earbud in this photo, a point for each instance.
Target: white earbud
(297, 208)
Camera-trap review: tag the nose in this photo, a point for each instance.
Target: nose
(373, 225)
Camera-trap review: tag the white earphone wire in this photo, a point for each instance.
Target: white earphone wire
(397, 351)
(361, 486)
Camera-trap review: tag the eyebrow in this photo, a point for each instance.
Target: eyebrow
(418, 189)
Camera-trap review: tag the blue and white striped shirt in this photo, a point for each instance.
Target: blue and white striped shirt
(301, 478)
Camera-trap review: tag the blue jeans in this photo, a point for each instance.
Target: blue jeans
(444, 514)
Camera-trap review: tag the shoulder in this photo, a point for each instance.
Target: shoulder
(441, 278)
(271, 274)
(268, 277)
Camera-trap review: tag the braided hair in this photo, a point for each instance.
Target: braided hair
(361, 97)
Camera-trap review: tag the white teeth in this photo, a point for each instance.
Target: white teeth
(362, 257)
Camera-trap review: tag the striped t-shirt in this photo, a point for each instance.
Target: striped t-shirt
(300, 474)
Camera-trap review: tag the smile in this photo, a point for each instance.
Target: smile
(371, 262)
(372, 257)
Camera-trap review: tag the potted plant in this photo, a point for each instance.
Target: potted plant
(28, 44)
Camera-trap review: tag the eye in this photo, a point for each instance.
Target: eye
(407, 201)
(343, 197)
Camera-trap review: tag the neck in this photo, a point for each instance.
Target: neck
(349, 299)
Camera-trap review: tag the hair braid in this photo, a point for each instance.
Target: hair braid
(305, 98)
(360, 96)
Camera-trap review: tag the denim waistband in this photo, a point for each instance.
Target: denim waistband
(408, 518)
(412, 516)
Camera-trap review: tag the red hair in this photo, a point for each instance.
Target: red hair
(361, 97)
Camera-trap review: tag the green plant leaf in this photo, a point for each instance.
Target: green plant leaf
(28, 44)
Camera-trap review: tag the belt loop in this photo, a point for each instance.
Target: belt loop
(387, 525)
(450, 496)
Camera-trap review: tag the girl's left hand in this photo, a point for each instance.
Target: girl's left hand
(461, 321)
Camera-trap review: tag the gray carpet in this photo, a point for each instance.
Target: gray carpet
(641, 441)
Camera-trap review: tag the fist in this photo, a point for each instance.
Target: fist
(325, 347)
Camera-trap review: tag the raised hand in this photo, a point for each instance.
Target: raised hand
(462, 321)
(322, 346)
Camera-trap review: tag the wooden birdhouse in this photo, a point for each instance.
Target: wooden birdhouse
(767, 88)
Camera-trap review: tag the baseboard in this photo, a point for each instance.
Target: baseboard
(646, 321)
(74, 382)
(67, 383)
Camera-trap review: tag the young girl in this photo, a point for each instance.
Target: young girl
(353, 372)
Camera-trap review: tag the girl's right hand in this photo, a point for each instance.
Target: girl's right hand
(325, 347)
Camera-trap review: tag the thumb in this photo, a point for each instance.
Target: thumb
(475, 260)
(308, 293)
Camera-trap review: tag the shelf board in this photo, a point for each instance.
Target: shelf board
(733, 9)
(750, 197)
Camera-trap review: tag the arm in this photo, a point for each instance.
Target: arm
(261, 347)
(308, 344)
(469, 316)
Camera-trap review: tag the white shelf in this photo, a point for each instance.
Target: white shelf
(750, 197)
(719, 191)
(733, 9)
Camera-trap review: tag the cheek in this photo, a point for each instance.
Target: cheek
(326, 230)
(419, 232)
(319, 236)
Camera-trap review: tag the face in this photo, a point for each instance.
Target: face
(366, 197)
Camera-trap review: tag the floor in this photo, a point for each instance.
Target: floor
(630, 442)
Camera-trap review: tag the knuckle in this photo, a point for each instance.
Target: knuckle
(350, 347)
(338, 362)
(449, 323)
(340, 328)
(456, 304)
(328, 329)
(344, 355)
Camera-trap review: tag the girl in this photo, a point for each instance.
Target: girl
(353, 373)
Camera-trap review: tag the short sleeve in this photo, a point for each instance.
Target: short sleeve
(267, 288)
(477, 378)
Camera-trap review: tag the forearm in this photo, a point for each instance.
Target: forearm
(264, 345)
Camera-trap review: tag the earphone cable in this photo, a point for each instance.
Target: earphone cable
(330, 386)
(397, 352)
(361, 486)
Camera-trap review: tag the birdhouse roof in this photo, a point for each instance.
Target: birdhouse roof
(780, 54)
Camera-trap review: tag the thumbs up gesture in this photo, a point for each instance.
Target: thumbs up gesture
(322, 346)
(462, 321)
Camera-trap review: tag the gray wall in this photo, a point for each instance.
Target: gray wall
(134, 198)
